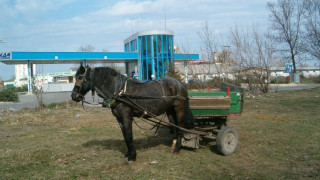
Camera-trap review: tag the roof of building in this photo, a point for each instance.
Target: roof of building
(204, 68)
(145, 33)
(78, 57)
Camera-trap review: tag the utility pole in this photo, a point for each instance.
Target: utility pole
(165, 15)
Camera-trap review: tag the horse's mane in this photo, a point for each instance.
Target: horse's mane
(106, 71)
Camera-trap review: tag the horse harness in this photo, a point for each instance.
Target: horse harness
(125, 98)
(121, 96)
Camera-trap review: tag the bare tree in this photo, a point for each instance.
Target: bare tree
(87, 48)
(37, 83)
(312, 27)
(252, 55)
(209, 49)
(264, 51)
(186, 70)
(285, 16)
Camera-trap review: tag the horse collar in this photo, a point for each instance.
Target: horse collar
(123, 91)
(112, 103)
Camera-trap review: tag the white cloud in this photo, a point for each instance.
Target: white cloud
(28, 10)
(27, 6)
(128, 8)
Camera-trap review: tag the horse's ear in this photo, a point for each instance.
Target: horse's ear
(82, 69)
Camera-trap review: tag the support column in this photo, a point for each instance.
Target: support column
(84, 63)
(140, 57)
(30, 76)
(186, 70)
(126, 67)
(152, 57)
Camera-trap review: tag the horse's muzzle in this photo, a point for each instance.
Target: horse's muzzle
(76, 97)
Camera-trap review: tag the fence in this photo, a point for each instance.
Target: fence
(59, 87)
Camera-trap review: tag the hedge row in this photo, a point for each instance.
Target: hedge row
(9, 94)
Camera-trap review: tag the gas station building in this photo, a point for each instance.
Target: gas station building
(147, 56)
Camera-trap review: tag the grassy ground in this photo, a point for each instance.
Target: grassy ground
(279, 139)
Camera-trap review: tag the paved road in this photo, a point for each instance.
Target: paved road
(30, 101)
(291, 87)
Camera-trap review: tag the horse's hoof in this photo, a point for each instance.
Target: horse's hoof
(173, 146)
(127, 161)
(176, 152)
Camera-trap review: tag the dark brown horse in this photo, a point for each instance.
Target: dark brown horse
(130, 98)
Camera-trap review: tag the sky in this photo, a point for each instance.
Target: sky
(56, 25)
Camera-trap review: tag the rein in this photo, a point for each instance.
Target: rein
(157, 120)
(121, 96)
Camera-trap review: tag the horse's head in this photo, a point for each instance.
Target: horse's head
(83, 84)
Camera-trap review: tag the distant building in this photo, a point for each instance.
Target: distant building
(304, 71)
(59, 81)
(21, 72)
(147, 56)
(204, 71)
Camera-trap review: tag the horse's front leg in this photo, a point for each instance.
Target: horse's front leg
(125, 122)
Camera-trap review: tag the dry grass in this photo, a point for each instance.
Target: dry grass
(279, 139)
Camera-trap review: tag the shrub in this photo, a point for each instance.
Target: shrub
(9, 94)
(23, 88)
(310, 79)
(316, 79)
(172, 72)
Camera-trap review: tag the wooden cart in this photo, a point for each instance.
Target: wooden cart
(211, 111)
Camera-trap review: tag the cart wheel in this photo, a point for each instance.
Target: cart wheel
(227, 140)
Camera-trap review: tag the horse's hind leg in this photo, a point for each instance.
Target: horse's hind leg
(176, 115)
(173, 130)
(188, 119)
(171, 117)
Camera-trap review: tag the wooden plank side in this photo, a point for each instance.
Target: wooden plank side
(209, 101)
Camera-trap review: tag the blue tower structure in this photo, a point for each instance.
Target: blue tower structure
(155, 53)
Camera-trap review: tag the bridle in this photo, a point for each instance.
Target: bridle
(79, 80)
(79, 83)
(82, 78)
